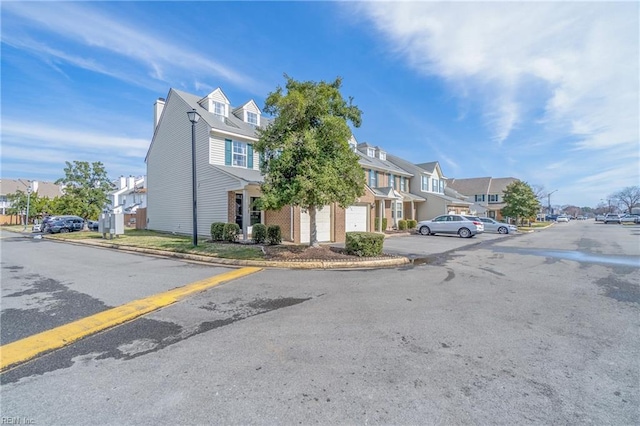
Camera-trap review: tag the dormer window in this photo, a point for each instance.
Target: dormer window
(218, 108)
(383, 155)
(371, 152)
(252, 118)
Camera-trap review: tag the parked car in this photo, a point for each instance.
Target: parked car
(92, 225)
(36, 227)
(61, 226)
(491, 225)
(476, 221)
(76, 221)
(600, 218)
(581, 218)
(448, 224)
(562, 218)
(612, 218)
(550, 217)
(633, 218)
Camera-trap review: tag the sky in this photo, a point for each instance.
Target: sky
(546, 92)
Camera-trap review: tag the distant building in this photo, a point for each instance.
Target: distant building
(130, 195)
(11, 186)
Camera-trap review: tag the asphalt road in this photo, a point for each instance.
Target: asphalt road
(539, 328)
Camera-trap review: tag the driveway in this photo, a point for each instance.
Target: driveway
(416, 246)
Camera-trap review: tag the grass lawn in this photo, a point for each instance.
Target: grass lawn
(167, 242)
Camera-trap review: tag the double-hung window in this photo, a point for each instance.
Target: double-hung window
(252, 118)
(373, 178)
(218, 108)
(392, 181)
(403, 181)
(479, 197)
(441, 187)
(493, 198)
(425, 183)
(434, 185)
(239, 154)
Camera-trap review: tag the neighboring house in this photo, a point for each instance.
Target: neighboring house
(430, 184)
(228, 175)
(11, 186)
(130, 195)
(388, 187)
(486, 193)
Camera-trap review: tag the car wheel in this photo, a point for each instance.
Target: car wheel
(503, 230)
(464, 233)
(424, 230)
(64, 230)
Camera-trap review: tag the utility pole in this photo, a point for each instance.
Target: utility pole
(549, 201)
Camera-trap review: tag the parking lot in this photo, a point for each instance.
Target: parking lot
(417, 246)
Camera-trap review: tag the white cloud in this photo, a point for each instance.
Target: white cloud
(83, 24)
(585, 54)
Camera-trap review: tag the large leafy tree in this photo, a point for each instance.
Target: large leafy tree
(305, 155)
(629, 197)
(520, 200)
(86, 189)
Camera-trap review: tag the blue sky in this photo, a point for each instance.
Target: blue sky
(545, 92)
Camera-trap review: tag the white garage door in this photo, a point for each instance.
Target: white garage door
(323, 225)
(356, 219)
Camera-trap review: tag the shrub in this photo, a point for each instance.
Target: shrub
(377, 221)
(259, 233)
(411, 224)
(274, 235)
(364, 244)
(217, 231)
(230, 232)
(402, 225)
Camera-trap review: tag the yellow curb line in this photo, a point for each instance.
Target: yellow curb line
(28, 348)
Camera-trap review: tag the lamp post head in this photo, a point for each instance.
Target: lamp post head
(193, 116)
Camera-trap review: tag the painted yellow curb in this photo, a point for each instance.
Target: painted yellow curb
(28, 348)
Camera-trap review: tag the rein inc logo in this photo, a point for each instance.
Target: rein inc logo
(17, 421)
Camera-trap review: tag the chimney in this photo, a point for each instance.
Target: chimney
(123, 182)
(131, 182)
(157, 111)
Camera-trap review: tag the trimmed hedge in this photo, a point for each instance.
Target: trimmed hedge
(217, 231)
(377, 221)
(412, 223)
(259, 233)
(364, 244)
(274, 235)
(230, 232)
(402, 225)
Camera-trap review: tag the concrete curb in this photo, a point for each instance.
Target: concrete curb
(386, 262)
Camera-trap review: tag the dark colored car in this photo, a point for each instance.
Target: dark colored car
(76, 223)
(61, 226)
(92, 225)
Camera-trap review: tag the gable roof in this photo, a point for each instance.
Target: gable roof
(230, 124)
(376, 163)
(43, 189)
(483, 185)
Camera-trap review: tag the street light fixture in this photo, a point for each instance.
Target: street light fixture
(549, 200)
(194, 117)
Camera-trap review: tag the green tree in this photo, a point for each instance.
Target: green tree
(86, 189)
(520, 200)
(305, 154)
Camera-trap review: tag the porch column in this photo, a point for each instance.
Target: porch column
(413, 211)
(245, 214)
(380, 215)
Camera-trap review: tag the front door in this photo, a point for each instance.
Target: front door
(239, 210)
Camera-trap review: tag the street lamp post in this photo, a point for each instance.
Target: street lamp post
(26, 221)
(194, 117)
(549, 200)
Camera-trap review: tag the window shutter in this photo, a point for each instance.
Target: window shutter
(249, 156)
(227, 152)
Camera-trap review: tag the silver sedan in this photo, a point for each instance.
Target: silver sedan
(449, 224)
(491, 225)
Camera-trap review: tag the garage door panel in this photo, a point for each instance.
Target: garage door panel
(356, 219)
(323, 225)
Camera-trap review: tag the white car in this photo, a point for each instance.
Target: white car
(450, 224)
(491, 225)
(36, 228)
(562, 219)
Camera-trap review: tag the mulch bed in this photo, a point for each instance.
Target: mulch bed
(306, 253)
